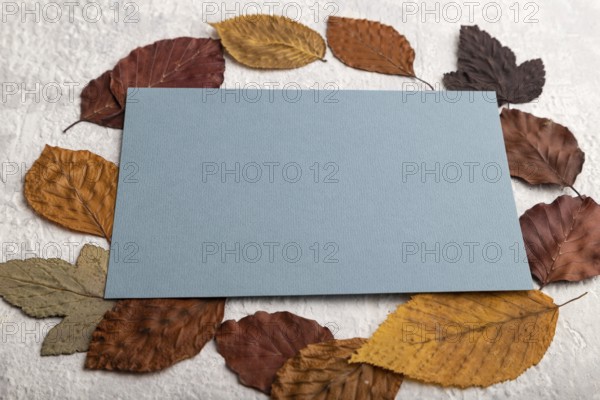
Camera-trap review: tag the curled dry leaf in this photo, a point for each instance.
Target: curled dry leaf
(370, 46)
(270, 41)
(484, 64)
(99, 105)
(322, 371)
(562, 239)
(470, 339)
(171, 63)
(75, 189)
(256, 346)
(539, 150)
(54, 288)
(152, 334)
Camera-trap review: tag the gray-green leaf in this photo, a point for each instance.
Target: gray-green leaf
(55, 288)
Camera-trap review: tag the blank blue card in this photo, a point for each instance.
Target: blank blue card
(279, 193)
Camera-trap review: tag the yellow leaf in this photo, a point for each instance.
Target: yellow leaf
(270, 41)
(471, 339)
(75, 189)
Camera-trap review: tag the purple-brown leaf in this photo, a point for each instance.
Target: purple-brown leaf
(484, 64)
(99, 105)
(172, 63)
(562, 239)
(256, 346)
(152, 334)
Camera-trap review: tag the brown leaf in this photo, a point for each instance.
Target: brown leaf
(562, 239)
(270, 41)
(99, 105)
(152, 334)
(464, 339)
(370, 46)
(172, 63)
(539, 150)
(322, 371)
(75, 189)
(256, 346)
(484, 64)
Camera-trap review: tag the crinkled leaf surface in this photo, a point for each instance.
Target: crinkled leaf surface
(145, 335)
(469, 339)
(270, 41)
(370, 46)
(539, 150)
(484, 64)
(171, 63)
(256, 346)
(75, 189)
(54, 288)
(322, 371)
(562, 239)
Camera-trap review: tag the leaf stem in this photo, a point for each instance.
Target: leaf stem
(423, 81)
(572, 300)
(575, 190)
(72, 125)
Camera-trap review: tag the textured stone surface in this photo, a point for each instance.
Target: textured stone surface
(48, 54)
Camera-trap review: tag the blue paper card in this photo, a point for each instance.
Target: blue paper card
(277, 193)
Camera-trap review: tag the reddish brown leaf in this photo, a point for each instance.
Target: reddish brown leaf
(539, 150)
(562, 239)
(256, 346)
(484, 64)
(321, 372)
(182, 62)
(152, 334)
(99, 105)
(370, 46)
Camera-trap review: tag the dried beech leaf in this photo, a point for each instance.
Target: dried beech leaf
(172, 63)
(370, 46)
(470, 339)
(539, 150)
(256, 346)
(152, 334)
(54, 288)
(75, 189)
(322, 371)
(270, 41)
(562, 239)
(99, 105)
(484, 64)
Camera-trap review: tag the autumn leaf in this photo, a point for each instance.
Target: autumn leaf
(562, 239)
(45, 288)
(470, 339)
(270, 41)
(256, 346)
(371, 46)
(172, 63)
(484, 64)
(99, 105)
(539, 150)
(322, 371)
(146, 335)
(75, 189)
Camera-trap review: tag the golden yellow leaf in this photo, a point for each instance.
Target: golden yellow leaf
(270, 41)
(470, 339)
(75, 189)
(321, 371)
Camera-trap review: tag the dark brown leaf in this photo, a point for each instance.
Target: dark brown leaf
(539, 150)
(256, 346)
(322, 371)
(484, 64)
(562, 239)
(370, 46)
(181, 62)
(99, 105)
(152, 334)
